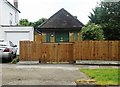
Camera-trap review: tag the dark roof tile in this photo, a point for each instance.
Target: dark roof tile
(62, 19)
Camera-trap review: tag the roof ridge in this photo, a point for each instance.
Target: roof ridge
(12, 6)
(62, 18)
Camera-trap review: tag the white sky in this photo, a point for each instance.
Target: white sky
(36, 9)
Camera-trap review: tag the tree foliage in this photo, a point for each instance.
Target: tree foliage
(39, 22)
(25, 22)
(107, 14)
(92, 32)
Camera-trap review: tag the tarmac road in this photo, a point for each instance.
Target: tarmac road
(42, 74)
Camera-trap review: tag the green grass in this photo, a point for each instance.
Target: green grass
(104, 76)
(16, 60)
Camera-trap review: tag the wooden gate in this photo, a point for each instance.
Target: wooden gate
(57, 52)
(46, 52)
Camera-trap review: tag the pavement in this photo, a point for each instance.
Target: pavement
(44, 74)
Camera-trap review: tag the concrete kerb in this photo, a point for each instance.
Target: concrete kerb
(78, 62)
(28, 62)
(97, 62)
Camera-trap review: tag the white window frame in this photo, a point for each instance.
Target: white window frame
(11, 19)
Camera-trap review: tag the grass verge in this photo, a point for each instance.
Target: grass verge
(104, 76)
(16, 60)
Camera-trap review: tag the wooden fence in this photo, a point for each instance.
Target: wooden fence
(38, 38)
(68, 52)
(46, 52)
(97, 50)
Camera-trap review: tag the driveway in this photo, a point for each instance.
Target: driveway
(42, 74)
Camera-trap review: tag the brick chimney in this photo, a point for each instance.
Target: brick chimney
(16, 3)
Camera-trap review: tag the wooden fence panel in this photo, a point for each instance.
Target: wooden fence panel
(65, 52)
(77, 50)
(68, 52)
(35, 51)
(97, 50)
(38, 38)
(91, 50)
(21, 51)
(44, 53)
(24, 52)
(51, 53)
(114, 50)
(38, 53)
(61, 52)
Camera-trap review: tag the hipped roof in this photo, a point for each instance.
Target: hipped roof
(61, 19)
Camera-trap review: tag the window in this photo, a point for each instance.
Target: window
(48, 37)
(15, 17)
(11, 18)
(75, 36)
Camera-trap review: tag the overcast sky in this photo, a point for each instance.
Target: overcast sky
(36, 9)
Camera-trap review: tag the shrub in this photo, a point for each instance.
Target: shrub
(92, 32)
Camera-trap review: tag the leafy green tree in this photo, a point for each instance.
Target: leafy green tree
(24, 22)
(92, 32)
(98, 15)
(39, 22)
(107, 14)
